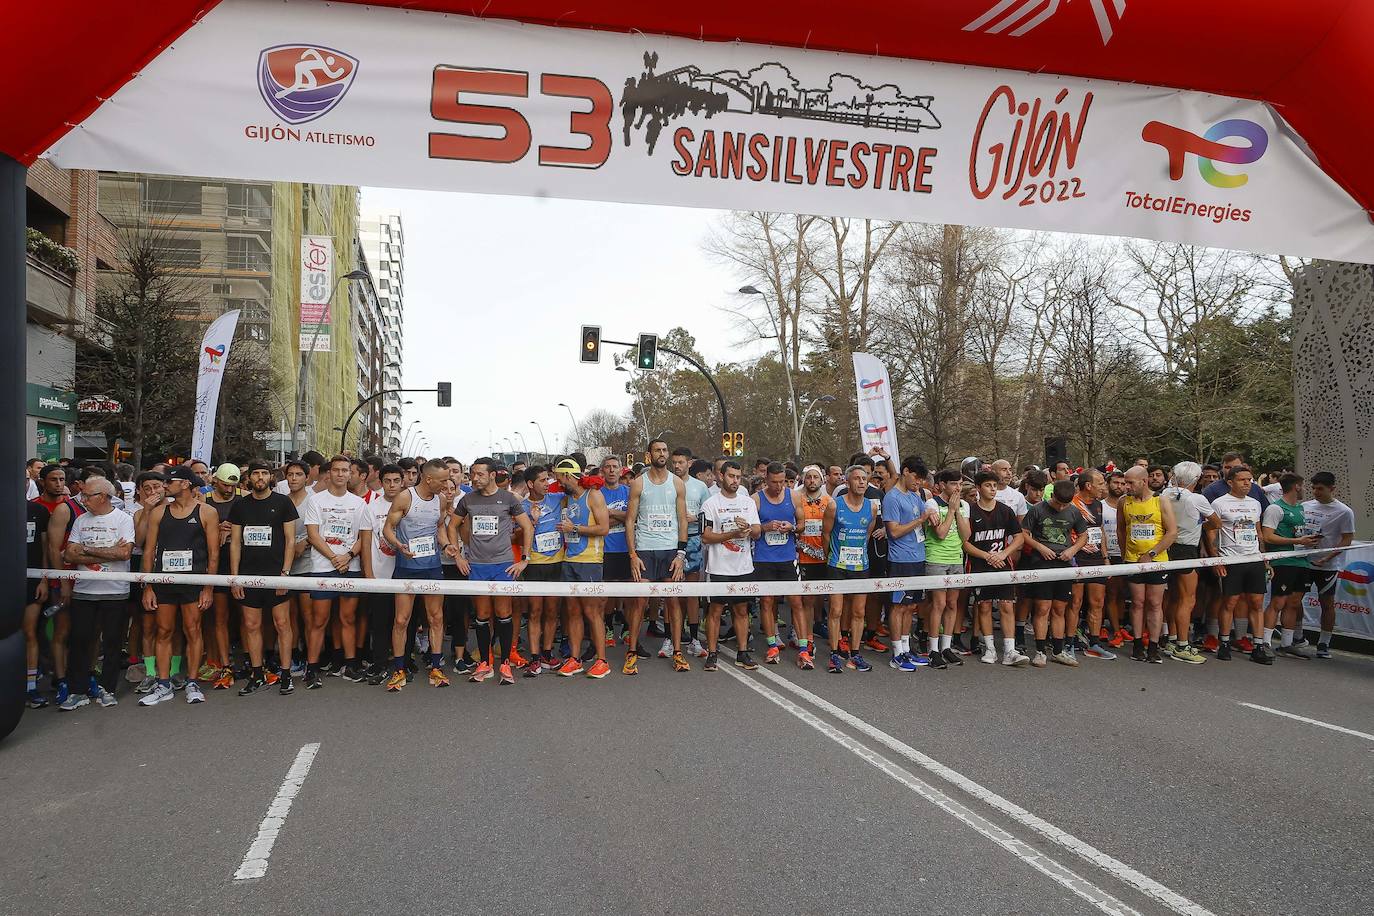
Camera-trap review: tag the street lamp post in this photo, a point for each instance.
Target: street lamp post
(521, 436)
(405, 441)
(782, 354)
(535, 424)
(823, 399)
(639, 399)
(576, 430)
(306, 356)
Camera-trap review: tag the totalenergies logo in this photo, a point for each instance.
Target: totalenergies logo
(873, 429)
(303, 82)
(1209, 149)
(216, 354)
(1356, 577)
(867, 384)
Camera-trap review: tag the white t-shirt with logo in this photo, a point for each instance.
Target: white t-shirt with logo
(734, 557)
(1014, 500)
(1240, 523)
(91, 530)
(1331, 520)
(383, 554)
(341, 520)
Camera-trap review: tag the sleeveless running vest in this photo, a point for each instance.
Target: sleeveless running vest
(776, 546)
(419, 531)
(656, 521)
(548, 543)
(849, 536)
(579, 548)
(1144, 528)
(809, 546)
(181, 546)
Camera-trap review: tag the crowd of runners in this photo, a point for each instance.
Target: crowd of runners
(675, 518)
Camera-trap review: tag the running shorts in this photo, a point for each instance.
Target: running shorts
(898, 568)
(814, 572)
(658, 564)
(489, 572)
(542, 572)
(582, 572)
(775, 572)
(731, 599)
(615, 567)
(1324, 580)
(1244, 579)
(1291, 580)
(327, 594)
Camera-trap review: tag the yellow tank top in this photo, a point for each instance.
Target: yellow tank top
(1144, 528)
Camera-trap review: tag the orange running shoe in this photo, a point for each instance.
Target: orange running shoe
(570, 667)
(804, 661)
(844, 645)
(1103, 636)
(396, 681)
(516, 659)
(771, 656)
(437, 678)
(599, 669)
(1210, 643)
(680, 662)
(876, 644)
(224, 680)
(1121, 636)
(270, 677)
(483, 672)
(1245, 644)
(883, 630)
(507, 676)
(631, 665)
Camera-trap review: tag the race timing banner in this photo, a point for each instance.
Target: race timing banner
(354, 95)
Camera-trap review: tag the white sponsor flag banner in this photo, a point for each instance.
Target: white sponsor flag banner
(877, 423)
(214, 356)
(343, 93)
(317, 283)
(1354, 596)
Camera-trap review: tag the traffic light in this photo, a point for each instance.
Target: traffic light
(648, 351)
(739, 445)
(591, 343)
(727, 443)
(445, 394)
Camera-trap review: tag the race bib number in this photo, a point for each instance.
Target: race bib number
(853, 557)
(176, 561)
(617, 529)
(338, 530)
(775, 538)
(1094, 537)
(484, 526)
(920, 532)
(422, 547)
(1143, 531)
(660, 523)
(812, 527)
(572, 537)
(257, 535)
(32, 532)
(1113, 547)
(1246, 536)
(546, 542)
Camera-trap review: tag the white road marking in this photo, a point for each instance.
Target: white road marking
(254, 864)
(1317, 722)
(1023, 851)
(1116, 868)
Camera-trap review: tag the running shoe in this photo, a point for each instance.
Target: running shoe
(507, 674)
(1300, 642)
(936, 660)
(63, 692)
(285, 687)
(656, 629)
(599, 669)
(135, 672)
(952, 657)
(1120, 638)
(843, 647)
(712, 662)
(805, 662)
(38, 701)
(773, 655)
(836, 663)
(146, 685)
(1039, 660)
(631, 666)
(1014, 659)
(463, 665)
(1245, 644)
(1323, 650)
(483, 672)
(193, 694)
(920, 660)
(313, 680)
(989, 656)
(396, 681)
(208, 671)
(517, 660)
(1152, 655)
(697, 650)
(354, 673)
(271, 677)
(680, 662)
(1065, 659)
(883, 630)
(379, 677)
(1097, 650)
(1262, 654)
(901, 662)
(1138, 652)
(1293, 652)
(536, 667)
(161, 693)
(252, 686)
(610, 637)
(74, 701)
(666, 650)
(641, 652)
(1210, 642)
(745, 660)
(224, 679)
(105, 698)
(876, 644)
(571, 667)
(859, 663)
(1224, 652)
(298, 668)
(820, 629)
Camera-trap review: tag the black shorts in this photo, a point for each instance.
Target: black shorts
(658, 564)
(542, 572)
(177, 594)
(775, 572)
(877, 558)
(1052, 590)
(31, 591)
(264, 597)
(615, 567)
(1324, 580)
(898, 568)
(1149, 578)
(1004, 592)
(834, 572)
(813, 572)
(1291, 580)
(734, 600)
(1244, 579)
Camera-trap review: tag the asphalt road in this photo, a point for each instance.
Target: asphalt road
(1117, 788)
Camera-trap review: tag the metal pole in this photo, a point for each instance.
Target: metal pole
(521, 436)
(541, 438)
(576, 430)
(343, 435)
(720, 398)
(12, 418)
(823, 399)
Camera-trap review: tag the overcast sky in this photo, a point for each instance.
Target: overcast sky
(497, 289)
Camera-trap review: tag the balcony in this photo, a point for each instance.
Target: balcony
(51, 294)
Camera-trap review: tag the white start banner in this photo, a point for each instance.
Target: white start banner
(877, 422)
(214, 355)
(317, 285)
(350, 94)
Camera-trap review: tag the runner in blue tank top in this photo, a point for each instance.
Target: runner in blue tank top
(848, 525)
(775, 560)
(412, 530)
(656, 534)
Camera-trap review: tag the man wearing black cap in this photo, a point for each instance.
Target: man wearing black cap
(182, 538)
(262, 536)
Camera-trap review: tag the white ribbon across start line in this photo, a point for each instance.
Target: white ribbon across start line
(672, 589)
